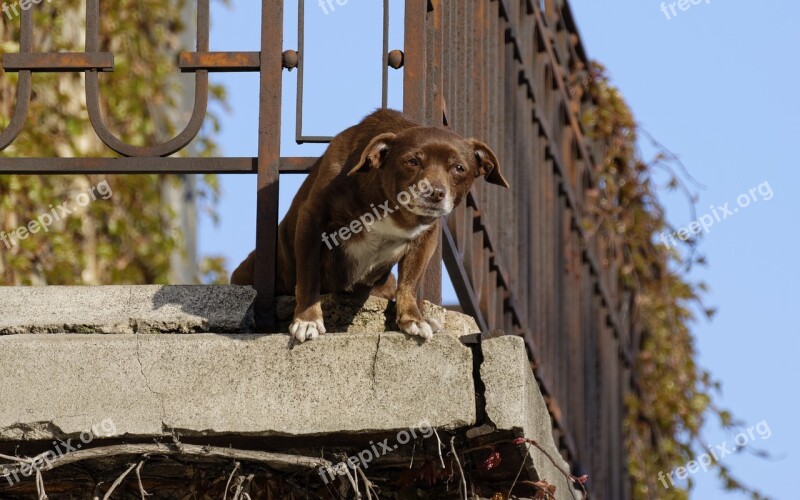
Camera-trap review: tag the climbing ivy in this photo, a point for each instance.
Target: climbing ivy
(673, 397)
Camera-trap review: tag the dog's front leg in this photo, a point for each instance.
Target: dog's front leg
(308, 323)
(412, 267)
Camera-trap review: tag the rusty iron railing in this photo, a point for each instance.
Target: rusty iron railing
(520, 261)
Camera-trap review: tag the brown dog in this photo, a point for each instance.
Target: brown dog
(372, 200)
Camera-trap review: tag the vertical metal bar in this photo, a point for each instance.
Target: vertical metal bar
(504, 209)
(385, 58)
(92, 43)
(418, 104)
(301, 55)
(415, 48)
(432, 286)
(434, 76)
(269, 152)
(203, 27)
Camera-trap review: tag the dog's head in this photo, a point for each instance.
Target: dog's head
(428, 170)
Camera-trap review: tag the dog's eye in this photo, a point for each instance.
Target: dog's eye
(412, 162)
(460, 169)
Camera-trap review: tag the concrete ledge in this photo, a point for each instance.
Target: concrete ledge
(204, 384)
(224, 383)
(350, 314)
(126, 309)
(187, 309)
(515, 404)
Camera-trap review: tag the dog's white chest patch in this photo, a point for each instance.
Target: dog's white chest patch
(383, 242)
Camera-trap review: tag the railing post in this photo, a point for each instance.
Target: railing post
(269, 152)
(422, 101)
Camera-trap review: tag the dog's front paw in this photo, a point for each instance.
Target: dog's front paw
(421, 328)
(306, 330)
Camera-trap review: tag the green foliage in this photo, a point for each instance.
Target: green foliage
(129, 237)
(213, 271)
(673, 397)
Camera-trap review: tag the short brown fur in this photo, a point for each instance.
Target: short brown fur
(364, 167)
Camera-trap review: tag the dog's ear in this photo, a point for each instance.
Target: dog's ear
(488, 164)
(374, 154)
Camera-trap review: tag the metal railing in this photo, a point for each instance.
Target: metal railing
(520, 260)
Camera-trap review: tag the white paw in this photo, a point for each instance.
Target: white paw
(306, 330)
(424, 329)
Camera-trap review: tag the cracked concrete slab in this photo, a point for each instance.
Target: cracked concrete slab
(206, 384)
(514, 403)
(126, 309)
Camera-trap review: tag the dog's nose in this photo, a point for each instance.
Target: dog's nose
(437, 193)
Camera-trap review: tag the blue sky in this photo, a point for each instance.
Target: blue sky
(717, 84)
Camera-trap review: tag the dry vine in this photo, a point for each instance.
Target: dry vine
(164, 449)
(673, 397)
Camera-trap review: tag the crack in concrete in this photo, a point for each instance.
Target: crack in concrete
(147, 382)
(375, 360)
